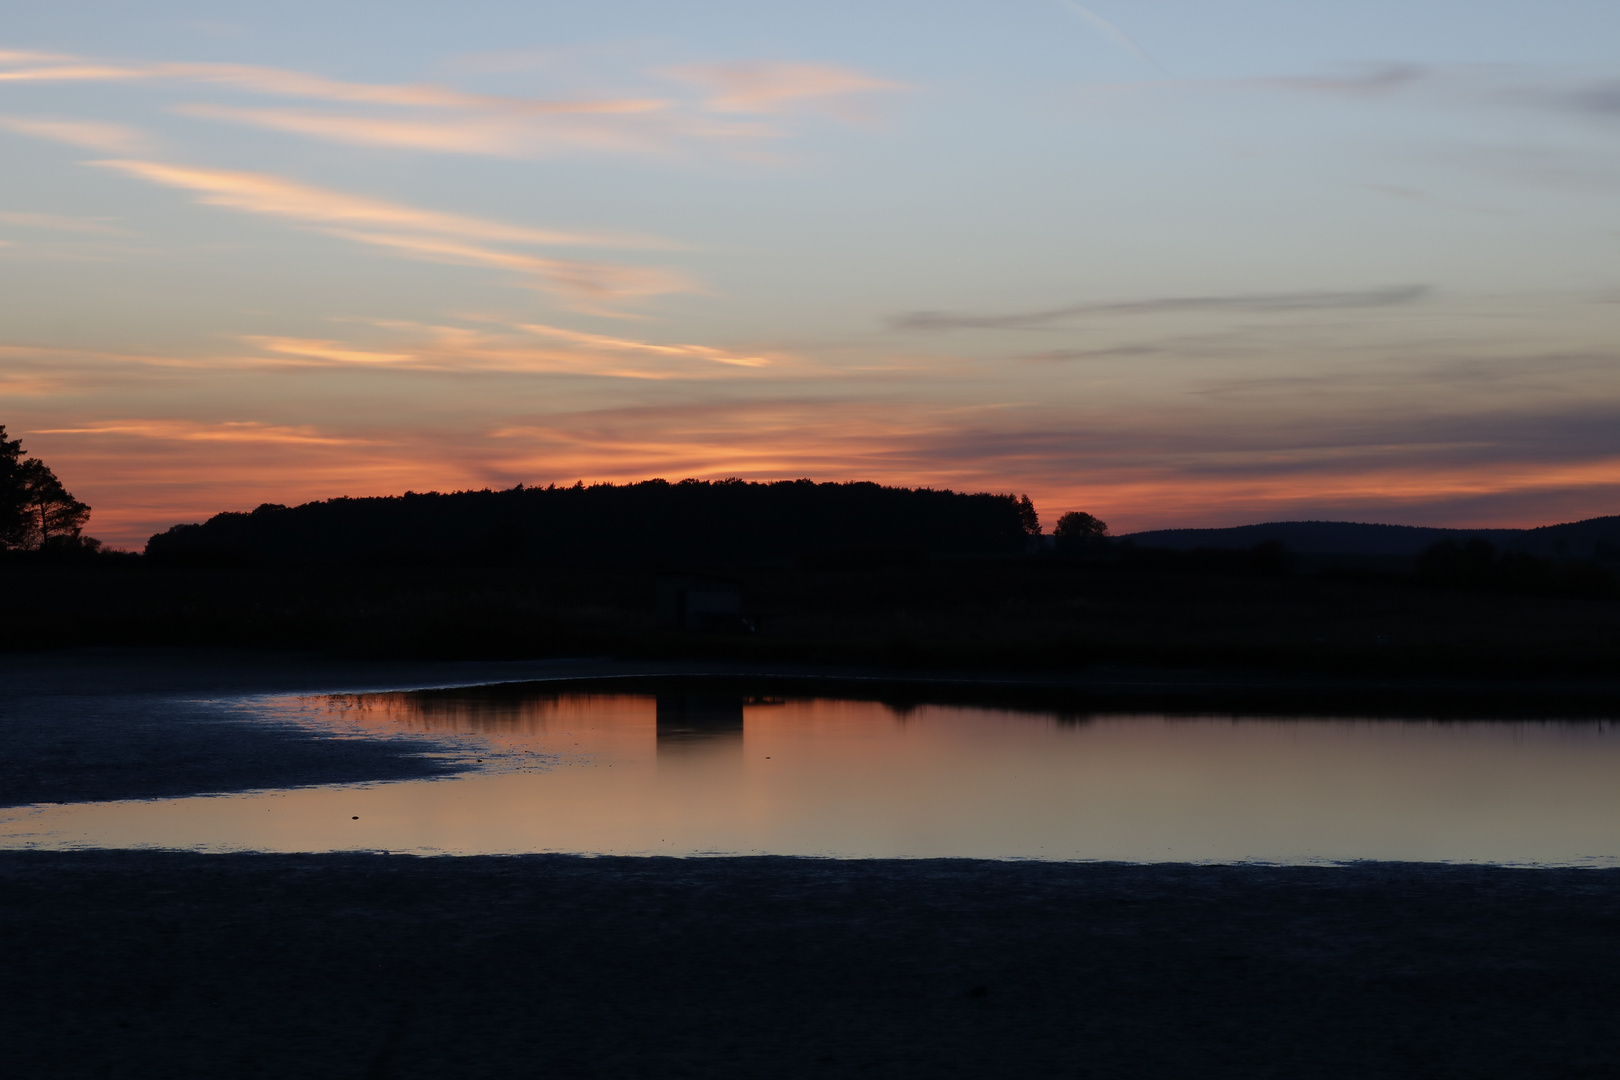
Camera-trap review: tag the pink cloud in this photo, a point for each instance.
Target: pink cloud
(419, 233)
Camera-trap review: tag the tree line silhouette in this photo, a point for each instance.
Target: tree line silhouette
(1478, 565)
(646, 523)
(36, 512)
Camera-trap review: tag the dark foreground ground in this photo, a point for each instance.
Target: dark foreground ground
(177, 965)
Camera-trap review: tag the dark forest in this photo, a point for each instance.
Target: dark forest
(702, 521)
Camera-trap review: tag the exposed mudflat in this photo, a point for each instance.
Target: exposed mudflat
(184, 965)
(93, 725)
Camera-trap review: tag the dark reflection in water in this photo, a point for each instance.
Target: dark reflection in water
(699, 718)
(700, 724)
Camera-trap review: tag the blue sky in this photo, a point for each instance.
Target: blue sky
(1168, 262)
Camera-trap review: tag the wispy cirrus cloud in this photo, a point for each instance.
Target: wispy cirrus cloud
(1601, 98)
(424, 234)
(1361, 81)
(27, 384)
(244, 431)
(87, 134)
(282, 82)
(770, 87)
(443, 119)
(1271, 303)
(489, 134)
(514, 348)
(29, 56)
(613, 344)
(1109, 353)
(259, 193)
(1113, 33)
(326, 351)
(1591, 93)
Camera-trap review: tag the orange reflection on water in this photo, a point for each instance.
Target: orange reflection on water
(690, 774)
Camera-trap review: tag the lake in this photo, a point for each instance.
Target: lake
(707, 774)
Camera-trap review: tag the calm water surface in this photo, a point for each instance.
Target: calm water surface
(684, 775)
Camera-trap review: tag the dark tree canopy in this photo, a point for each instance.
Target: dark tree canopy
(36, 511)
(653, 522)
(1027, 517)
(13, 518)
(1076, 525)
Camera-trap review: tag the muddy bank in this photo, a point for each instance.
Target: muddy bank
(182, 965)
(91, 725)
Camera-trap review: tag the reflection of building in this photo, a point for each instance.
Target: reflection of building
(698, 719)
(695, 602)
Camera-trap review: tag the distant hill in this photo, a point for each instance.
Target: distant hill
(1594, 538)
(654, 522)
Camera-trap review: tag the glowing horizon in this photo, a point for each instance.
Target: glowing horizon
(1169, 265)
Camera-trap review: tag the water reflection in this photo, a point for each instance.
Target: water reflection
(688, 722)
(686, 773)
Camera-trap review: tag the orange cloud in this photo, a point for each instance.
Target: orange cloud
(74, 72)
(425, 234)
(258, 193)
(91, 135)
(740, 86)
(590, 286)
(764, 87)
(633, 128)
(189, 431)
(24, 384)
(288, 83)
(446, 120)
(305, 348)
(440, 348)
(496, 136)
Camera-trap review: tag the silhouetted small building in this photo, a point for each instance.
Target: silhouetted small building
(697, 602)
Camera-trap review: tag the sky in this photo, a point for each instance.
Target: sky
(1171, 262)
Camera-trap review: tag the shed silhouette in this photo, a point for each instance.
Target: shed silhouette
(700, 602)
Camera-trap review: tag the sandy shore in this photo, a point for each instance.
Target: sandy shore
(182, 965)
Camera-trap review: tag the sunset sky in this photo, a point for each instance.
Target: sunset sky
(1174, 262)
